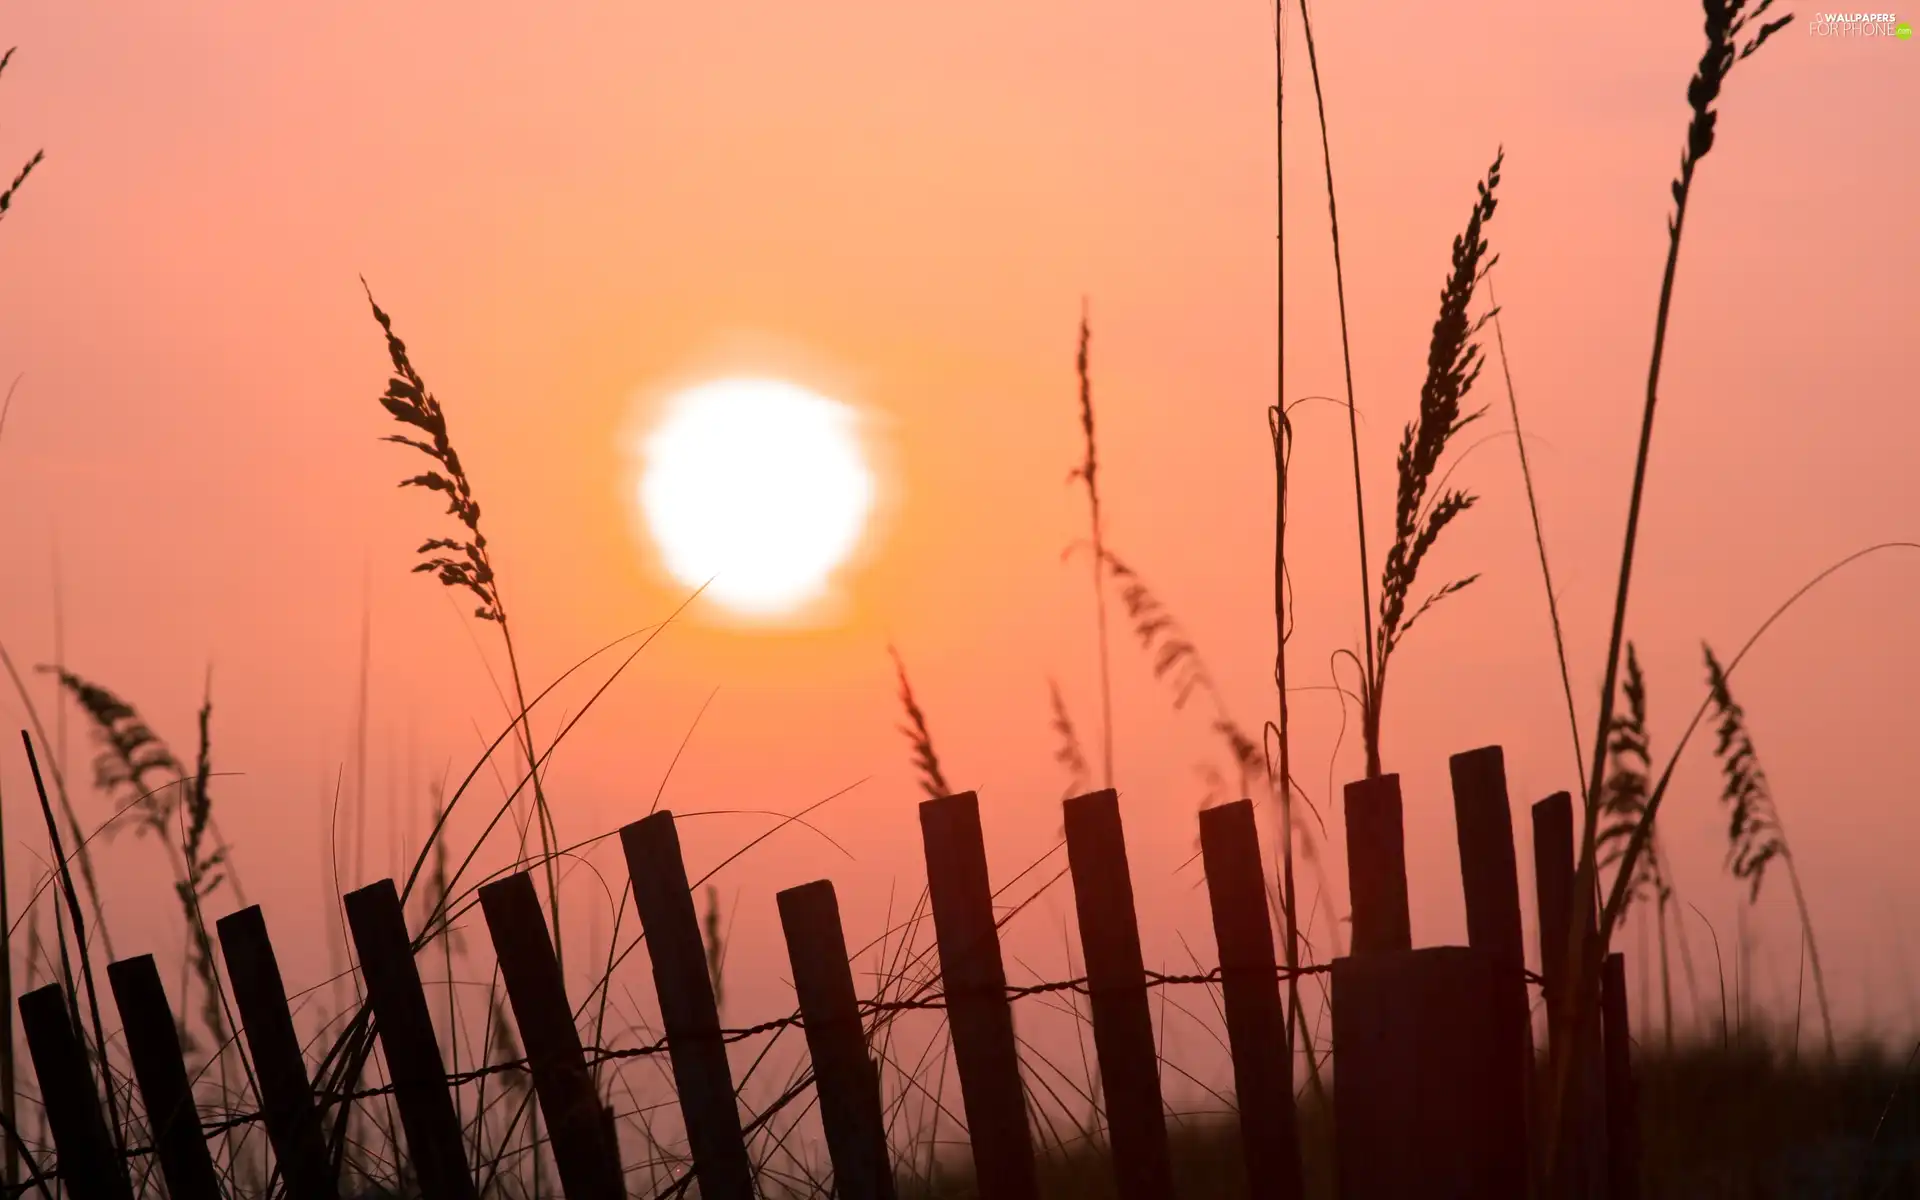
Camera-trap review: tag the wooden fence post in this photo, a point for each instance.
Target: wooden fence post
(1117, 993)
(1256, 1017)
(286, 1093)
(610, 1131)
(1489, 874)
(401, 1018)
(1580, 1164)
(694, 1041)
(86, 1159)
(1416, 1111)
(1377, 866)
(843, 1074)
(979, 1015)
(589, 1168)
(1623, 1114)
(153, 1042)
(1490, 878)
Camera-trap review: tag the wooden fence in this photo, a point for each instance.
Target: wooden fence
(1436, 1086)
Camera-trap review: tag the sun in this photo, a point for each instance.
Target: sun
(757, 488)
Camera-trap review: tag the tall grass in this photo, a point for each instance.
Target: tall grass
(1088, 472)
(1624, 805)
(926, 761)
(161, 797)
(1280, 772)
(1734, 31)
(1453, 364)
(463, 561)
(1368, 667)
(1755, 835)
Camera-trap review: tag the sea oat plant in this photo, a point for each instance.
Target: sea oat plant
(154, 791)
(1735, 29)
(463, 561)
(1088, 473)
(1624, 805)
(1453, 364)
(1755, 836)
(926, 762)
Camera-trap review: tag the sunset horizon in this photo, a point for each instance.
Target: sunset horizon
(774, 348)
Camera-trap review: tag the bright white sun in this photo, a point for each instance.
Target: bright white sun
(757, 488)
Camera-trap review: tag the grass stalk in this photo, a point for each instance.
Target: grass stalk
(82, 854)
(465, 562)
(1539, 535)
(926, 762)
(1370, 725)
(1725, 22)
(1280, 431)
(115, 1130)
(1756, 835)
(1087, 473)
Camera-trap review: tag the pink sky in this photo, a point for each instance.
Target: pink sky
(906, 206)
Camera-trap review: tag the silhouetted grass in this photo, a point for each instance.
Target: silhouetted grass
(1727, 42)
(925, 760)
(1453, 364)
(1755, 835)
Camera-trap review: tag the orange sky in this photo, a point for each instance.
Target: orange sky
(904, 205)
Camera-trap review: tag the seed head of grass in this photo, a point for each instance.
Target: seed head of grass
(1624, 798)
(151, 786)
(1727, 22)
(6, 197)
(1453, 364)
(1177, 662)
(134, 766)
(410, 403)
(1754, 836)
(925, 761)
(202, 874)
(1067, 751)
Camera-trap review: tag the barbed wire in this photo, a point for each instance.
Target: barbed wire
(597, 1055)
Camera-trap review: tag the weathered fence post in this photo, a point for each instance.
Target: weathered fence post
(153, 1042)
(589, 1168)
(1489, 874)
(286, 1093)
(1377, 866)
(974, 981)
(405, 1026)
(694, 1041)
(1117, 994)
(1490, 878)
(1623, 1114)
(610, 1130)
(843, 1074)
(1416, 1110)
(86, 1159)
(1580, 1163)
(1256, 1017)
